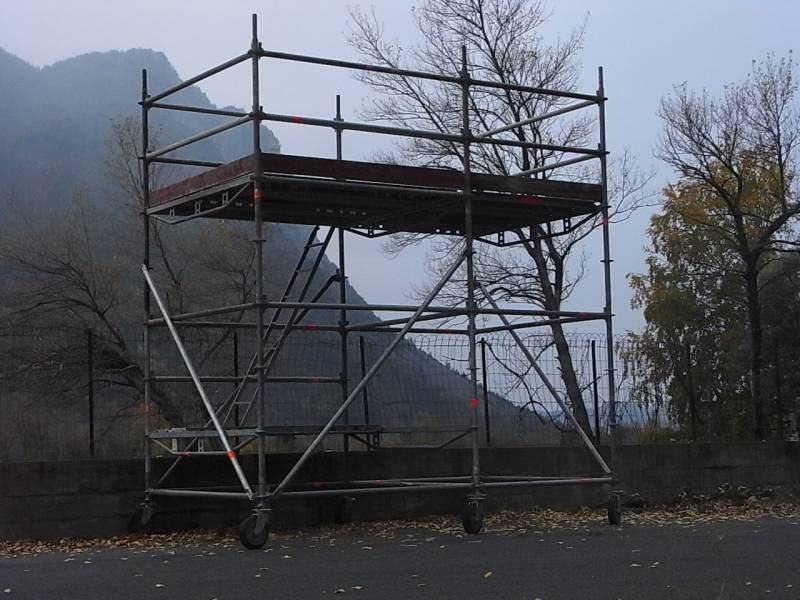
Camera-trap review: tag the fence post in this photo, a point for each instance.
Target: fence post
(595, 396)
(90, 386)
(690, 382)
(486, 423)
(778, 397)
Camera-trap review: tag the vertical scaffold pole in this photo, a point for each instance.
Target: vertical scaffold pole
(345, 385)
(145, 288)
(236, 421)
(473, 370)
(255, 48)
(485, 376)
(608, 317)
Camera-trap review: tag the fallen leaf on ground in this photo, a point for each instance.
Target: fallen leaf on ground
(505, 522)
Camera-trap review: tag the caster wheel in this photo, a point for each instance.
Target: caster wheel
(473, 517)
(248, 536)
(614, 509)
(141, 521)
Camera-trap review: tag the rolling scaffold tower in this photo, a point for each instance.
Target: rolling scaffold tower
(370, 200)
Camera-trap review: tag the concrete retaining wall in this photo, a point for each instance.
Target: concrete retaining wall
(49, 500)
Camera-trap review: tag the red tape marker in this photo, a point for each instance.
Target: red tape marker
(297, 119)
(473, 402)
(231, 454)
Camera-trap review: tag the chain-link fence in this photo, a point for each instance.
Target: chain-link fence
(58, 401)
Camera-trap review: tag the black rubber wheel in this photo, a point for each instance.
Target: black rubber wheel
(247, 533)
(139, 523)
(614, 509)
(473, 518)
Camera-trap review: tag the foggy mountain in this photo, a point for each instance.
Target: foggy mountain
(55, 139)
(57, 119)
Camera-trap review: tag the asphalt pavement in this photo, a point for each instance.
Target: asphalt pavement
(757, 559)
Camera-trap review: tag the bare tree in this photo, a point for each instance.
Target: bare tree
(77, 269)
(741, 150)
(505, 43)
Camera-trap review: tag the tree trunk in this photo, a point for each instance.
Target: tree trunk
(570, 379)
(756, 347)
(552, 301)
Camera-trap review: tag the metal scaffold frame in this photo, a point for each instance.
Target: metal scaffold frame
(249, 188)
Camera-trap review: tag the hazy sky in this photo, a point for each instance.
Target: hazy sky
(645, 46)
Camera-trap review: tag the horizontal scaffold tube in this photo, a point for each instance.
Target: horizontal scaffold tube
(251, 325)
(196, 493)
(542, 323)
(186, 162)
(433, 486)
(238, 379)
(419, 133)
(200, 109)
(408, 485)
(331, 62)
(445, 310)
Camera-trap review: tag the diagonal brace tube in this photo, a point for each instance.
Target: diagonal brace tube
(356, 392)
(197, 137)
(227, 406)
(209, 408)
(555, 165)
(586, 440)
(537, 119)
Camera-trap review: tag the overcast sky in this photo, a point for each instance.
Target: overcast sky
(645, 46)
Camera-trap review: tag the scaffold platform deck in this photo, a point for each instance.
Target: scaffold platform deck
(374, 198)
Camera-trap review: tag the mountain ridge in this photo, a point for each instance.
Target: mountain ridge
(70, 106)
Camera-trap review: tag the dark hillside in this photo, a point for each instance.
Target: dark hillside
(55, 132)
